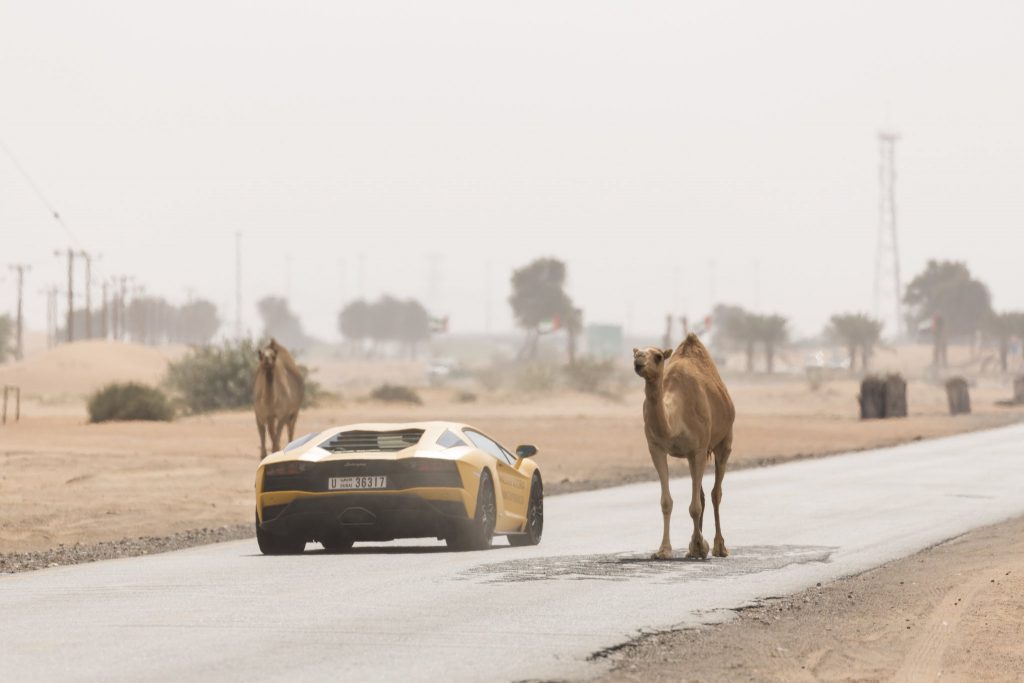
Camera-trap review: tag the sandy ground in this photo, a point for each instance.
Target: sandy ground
(949, 613)
(65, 481)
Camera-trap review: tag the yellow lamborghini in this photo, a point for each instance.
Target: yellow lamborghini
(378, 482)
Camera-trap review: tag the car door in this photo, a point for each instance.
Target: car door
(512, 488)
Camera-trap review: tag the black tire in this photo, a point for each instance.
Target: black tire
(479, 531)
(534, 516)
(274, 544)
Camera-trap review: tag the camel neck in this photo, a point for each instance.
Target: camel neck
(269, 372)
(653, 395)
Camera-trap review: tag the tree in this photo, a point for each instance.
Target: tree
(1004, 326)
(946, 289)
(772, 332)
(354, 321)
(736, 328)
(281, 323)
(539, 298)
(6, 334)
(855, 331)
(197, 322)
(388, 319)
(414, 325)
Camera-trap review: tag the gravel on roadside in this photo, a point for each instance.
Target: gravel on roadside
(12, 563)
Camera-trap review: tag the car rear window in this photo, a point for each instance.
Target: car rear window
(362, 441)
(449, 440)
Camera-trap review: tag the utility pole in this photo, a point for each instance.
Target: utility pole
(104, 317)
(19, 350)
(887, 258)
(238, 285)
(88, 293)
(119, 307)
(51, 315)
(71, 291)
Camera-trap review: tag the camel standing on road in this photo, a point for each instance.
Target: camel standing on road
(277, 394)
(687, 414)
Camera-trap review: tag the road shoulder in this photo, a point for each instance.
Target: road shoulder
(953, 610)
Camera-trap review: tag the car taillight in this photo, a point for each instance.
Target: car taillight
(430, 465)
(282, 469)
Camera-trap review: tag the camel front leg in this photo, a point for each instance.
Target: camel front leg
(291, 427)
(273, 432)
(660, 460)
(278, 428)
(262, 427)
(698, 546)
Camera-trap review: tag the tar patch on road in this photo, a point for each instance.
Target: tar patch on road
(631, 566)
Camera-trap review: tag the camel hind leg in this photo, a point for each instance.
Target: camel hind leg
(660, 460)
(698, 546)
(722, 452)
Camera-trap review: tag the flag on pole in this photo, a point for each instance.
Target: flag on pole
(552, 324)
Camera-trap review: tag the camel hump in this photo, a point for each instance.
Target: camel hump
(693, 347)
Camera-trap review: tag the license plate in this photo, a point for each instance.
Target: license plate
(356, 483)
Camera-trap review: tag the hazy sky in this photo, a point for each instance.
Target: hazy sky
(671, 153)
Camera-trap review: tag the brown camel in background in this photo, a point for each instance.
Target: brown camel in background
(277, 394)
(687, 414)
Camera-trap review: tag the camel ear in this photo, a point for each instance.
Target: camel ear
(259, 353)
(667, 353)
(635, 350)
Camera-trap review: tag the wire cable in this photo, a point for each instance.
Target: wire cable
(39, 193)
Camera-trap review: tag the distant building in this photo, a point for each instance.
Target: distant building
(604, 341)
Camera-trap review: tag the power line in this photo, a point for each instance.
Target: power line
(39, 193)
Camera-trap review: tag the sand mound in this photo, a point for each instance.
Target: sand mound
(76, 370)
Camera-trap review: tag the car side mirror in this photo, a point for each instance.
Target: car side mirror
(526, 451)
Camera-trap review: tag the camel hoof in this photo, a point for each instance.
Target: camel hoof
(698, 552)
(720, 550)
(662, 554)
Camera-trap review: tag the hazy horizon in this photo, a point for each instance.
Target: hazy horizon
(674, 155)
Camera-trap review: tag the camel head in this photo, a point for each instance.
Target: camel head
(267, 356)
(649, 361)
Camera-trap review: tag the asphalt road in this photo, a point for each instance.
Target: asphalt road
(414, 611)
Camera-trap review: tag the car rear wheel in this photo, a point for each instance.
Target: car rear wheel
(478, 533)
(274, 544)
(534, 516)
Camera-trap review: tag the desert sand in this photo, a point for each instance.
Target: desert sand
(63, 480)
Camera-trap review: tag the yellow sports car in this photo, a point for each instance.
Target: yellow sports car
(378, 482)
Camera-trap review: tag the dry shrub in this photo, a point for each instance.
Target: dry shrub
(590, 375)
(534, 377)
(395, 393)
(129, 401)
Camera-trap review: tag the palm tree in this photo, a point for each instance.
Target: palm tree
(771, 330)
(1006, 325)
(855, 331)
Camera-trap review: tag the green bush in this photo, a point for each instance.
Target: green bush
(131, 401)
(395, 393)
(221, 378)
(214, 377)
